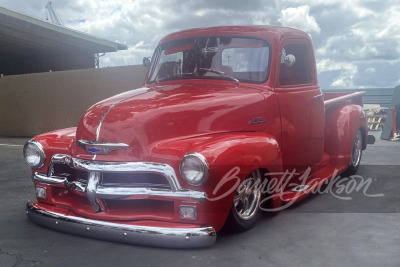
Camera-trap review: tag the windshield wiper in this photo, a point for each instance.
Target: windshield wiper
(221, 73)
(175, 76)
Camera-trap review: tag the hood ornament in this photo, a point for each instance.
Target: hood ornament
(99, 147)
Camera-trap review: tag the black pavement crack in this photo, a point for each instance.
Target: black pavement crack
(19, 259)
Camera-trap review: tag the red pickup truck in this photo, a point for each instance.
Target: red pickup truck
(225, 113)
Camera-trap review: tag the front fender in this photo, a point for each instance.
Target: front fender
(55, 142)
(231, 157)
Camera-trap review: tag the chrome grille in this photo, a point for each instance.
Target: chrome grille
(113, 179)
(72, 175)
(100, 180)
(130, 179)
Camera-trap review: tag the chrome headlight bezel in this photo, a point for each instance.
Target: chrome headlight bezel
(37, 148)
(202, 168)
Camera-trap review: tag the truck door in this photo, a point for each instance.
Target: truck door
(301, 105)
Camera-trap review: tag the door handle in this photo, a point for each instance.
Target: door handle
(319, 96)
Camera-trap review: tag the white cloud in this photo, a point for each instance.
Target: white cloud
(370, 70)
(345, 79)
(315, 2)
(330, 45)
(356, 7)
(347, 72)
(351, 38)
(299, 18)
(330, 65)
(380, 26)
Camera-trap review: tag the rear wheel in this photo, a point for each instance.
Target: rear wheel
(245, 207)
(356, 153)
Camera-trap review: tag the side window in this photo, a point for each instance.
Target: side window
(295, 65)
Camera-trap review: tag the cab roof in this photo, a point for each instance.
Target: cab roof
(271, 33)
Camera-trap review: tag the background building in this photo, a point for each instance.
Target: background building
(30, 45)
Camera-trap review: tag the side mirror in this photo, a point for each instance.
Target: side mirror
(146, 61)
(287, 59)
(290, 60)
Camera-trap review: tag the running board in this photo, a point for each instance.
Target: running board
(296, 193)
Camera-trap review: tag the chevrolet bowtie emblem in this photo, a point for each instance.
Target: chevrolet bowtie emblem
(99, 147)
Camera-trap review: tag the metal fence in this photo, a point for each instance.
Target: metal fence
(31, 104)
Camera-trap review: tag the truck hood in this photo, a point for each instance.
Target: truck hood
(143, 117)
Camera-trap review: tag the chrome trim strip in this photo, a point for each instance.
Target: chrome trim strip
(318, 96)
(124, 233)
(102, 119)
(125, 192)
(52, 180)
(58, 181)
(101, 143)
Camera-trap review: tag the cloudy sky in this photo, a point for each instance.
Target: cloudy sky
(357, 42)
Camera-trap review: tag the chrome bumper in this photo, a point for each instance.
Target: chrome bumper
(131, 234)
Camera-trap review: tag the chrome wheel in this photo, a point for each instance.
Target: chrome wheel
(357, 150)
(356, 153)
(247, 198)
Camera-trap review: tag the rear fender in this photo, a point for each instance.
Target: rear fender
(341, 127)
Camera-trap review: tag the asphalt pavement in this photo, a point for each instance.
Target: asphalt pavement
(330, 228)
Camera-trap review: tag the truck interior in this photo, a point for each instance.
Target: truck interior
(300, 71)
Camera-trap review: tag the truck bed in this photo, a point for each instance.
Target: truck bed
(331, 98)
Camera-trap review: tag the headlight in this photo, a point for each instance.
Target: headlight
(34, 154)
(194, 168)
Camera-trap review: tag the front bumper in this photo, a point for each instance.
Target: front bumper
(124, 233)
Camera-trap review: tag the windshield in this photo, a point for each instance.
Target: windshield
(234, 58)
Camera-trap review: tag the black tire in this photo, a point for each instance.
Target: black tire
(356, 153)
(245, 207)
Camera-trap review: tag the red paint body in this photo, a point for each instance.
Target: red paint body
(164, 121)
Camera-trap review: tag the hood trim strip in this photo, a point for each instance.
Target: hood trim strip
(112, 106)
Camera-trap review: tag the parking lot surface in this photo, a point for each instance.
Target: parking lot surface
(326, 229)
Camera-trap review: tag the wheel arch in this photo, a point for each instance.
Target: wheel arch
(231, 157)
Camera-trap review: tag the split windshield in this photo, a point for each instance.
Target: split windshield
(231, 58)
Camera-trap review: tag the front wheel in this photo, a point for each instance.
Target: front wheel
(356, 153)
(245, 207)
